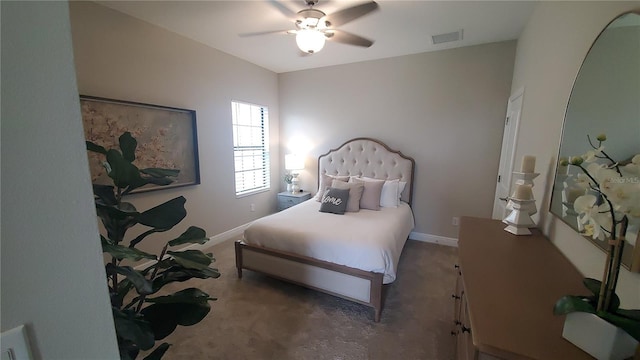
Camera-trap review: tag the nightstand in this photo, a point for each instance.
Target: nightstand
(287, 199)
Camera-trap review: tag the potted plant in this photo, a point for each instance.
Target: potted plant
(611, 198)
(288, 179)
(141, 316)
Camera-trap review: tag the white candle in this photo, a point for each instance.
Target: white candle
(528, 164)
(523, 192)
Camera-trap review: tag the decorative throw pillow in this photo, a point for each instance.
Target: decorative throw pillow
(389, 195)
(371, 195)
(334, 201)
(325, 182)
(355, 193)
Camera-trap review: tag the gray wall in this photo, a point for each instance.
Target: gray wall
(120, 57)
(550, 52)
(52, 273)
(445, 109)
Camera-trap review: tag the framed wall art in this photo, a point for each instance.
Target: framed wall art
(167, 137)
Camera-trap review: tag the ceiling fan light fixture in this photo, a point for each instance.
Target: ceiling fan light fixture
(310, 41)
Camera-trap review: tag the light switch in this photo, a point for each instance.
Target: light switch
(15, 344)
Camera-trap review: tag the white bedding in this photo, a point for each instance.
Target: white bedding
(367, 240)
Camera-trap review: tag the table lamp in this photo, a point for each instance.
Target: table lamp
(293, 163)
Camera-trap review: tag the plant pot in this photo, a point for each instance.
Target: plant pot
(597, 337)
(289, 187)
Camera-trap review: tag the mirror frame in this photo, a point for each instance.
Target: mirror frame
(634, 258)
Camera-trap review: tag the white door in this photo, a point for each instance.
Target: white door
(507, 154)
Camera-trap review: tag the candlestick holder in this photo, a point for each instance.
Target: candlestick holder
(529, 207)
(524, 178)
(519, 221)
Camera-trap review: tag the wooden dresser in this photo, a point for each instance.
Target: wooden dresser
(505, 294)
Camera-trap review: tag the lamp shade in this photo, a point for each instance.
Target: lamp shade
(293, 162)
(310, 40)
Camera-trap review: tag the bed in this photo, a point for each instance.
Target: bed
(352, 256)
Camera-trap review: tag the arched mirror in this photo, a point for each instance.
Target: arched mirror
(605, 100)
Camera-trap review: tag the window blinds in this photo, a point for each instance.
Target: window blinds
(250, 147)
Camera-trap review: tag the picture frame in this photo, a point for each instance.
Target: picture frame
(167, 138)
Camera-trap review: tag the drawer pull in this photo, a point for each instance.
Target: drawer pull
(456, 322)
(456, 266)
(455, 296)
(465, 329)
(454, 333)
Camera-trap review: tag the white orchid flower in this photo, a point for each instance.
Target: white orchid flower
(625, 198)
(594, 217)
(583, 181)
(592, 155)
(634, 166)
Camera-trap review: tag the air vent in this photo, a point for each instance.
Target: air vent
(448, 37)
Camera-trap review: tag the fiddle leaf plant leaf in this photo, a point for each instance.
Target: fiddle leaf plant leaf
(191, 259)
(193, 235)
(123, 173)
(180, 274)
(164, 216)
(160, 173)
(128, 146)
(95, 148)
(190, 295)
(182, 309)
(142, 285)
(161, 321)
(105, 194)
(122, 252)
(131, 327)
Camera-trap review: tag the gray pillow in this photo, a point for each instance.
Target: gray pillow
(334, 201)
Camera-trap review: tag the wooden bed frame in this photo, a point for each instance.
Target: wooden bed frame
(359, 156)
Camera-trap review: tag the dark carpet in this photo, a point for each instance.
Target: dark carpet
(257, 317)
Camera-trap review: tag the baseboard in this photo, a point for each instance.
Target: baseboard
(213, 240)
(436, 239)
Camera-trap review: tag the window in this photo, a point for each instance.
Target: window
(250, 147)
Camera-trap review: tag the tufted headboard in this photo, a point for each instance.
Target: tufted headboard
(371, 158)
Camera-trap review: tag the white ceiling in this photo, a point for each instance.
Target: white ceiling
(397, 27)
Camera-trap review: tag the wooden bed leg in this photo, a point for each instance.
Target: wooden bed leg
(239, 258)
(377, 300)
(376, 314)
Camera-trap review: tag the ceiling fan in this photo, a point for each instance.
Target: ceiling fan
(313, 26)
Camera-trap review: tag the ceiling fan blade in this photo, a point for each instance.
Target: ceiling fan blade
(288, 13)
(349, 14)
(348, 38)
(259, 33)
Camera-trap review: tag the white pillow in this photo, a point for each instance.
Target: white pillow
(391, 192)
(401, 186)
(389, 195)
